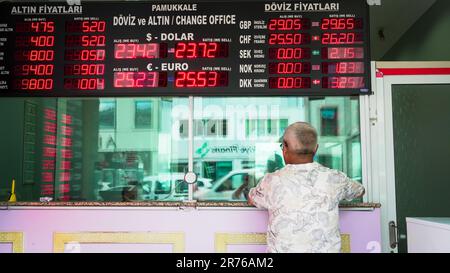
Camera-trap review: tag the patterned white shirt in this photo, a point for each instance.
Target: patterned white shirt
(303, 204)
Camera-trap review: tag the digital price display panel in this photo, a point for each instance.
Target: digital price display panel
(230, 48)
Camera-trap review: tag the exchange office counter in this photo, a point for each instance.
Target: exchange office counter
(161, 227)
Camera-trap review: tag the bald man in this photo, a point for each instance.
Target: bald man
(303, 197)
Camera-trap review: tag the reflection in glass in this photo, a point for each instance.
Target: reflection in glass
(90, 150)
(96, 150)
(143, 114)
(107, 114)
(251, 148)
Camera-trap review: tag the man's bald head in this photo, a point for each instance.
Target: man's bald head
(301, 138)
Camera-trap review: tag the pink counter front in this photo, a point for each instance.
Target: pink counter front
(161, 229)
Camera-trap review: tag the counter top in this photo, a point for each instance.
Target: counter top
(158, 204)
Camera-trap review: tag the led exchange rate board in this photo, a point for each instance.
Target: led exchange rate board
(202, 48)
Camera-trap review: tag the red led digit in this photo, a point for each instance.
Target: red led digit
(139, 78)
(180, 50)
(199, 49)
(118, 79)
(350, 23)
(180, 79)
(191, 79)
(200, 79)
(136, 79)
(341, 24)
(334, 53)
(348, 38)
(93, 26)
(334, 82)
(288, 39)
(36, 41)
(141, 50)
(288, 24)
(130, 51)
(152, 51)
(129, 80)
(289, 68)
(41, 27)
(151, 79)
(84, 84)
(85, 40)
(84, 69)
(47, 26)
(34, 84)
(193, 50)
(119, 51)
(343, 68)
(289, 83)
(85, 55)
(133, 51)
(95, 40)
(86, 26)
(212, 79)
(101, 26)
(342, 38)
(325, 25)
(343, 82)
(210, 51)
(41, 55)
(34, 55)
(34, 70)
(289, 53)
(350, 53)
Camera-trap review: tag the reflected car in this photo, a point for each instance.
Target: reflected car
(223, 188)
(171, 186)
(122, 193)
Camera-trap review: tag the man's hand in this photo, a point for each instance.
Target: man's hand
(250, 201)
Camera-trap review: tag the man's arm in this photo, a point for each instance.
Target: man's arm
(258, 196)
(353, 189)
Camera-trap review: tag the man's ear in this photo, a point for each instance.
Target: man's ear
(316, 149)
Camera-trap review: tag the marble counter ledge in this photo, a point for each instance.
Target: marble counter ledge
(158, 204)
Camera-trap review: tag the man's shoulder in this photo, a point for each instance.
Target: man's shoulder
(321, 168)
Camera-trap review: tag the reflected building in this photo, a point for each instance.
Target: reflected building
(229, 134)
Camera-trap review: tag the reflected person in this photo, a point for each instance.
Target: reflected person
(241, 193)
(130, 192)
(303, 197)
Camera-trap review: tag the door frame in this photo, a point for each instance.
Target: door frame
(377, 133)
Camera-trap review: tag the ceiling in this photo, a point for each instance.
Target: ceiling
(394, 18)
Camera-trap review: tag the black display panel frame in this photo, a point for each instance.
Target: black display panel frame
(252, 80)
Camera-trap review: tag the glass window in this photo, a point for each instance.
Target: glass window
(107, 114)
(252, 149)
(183, 128)
(216, 170)
(143, 114)
(264, 127)
(89, 150)
(329, 121)
(216, 128)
